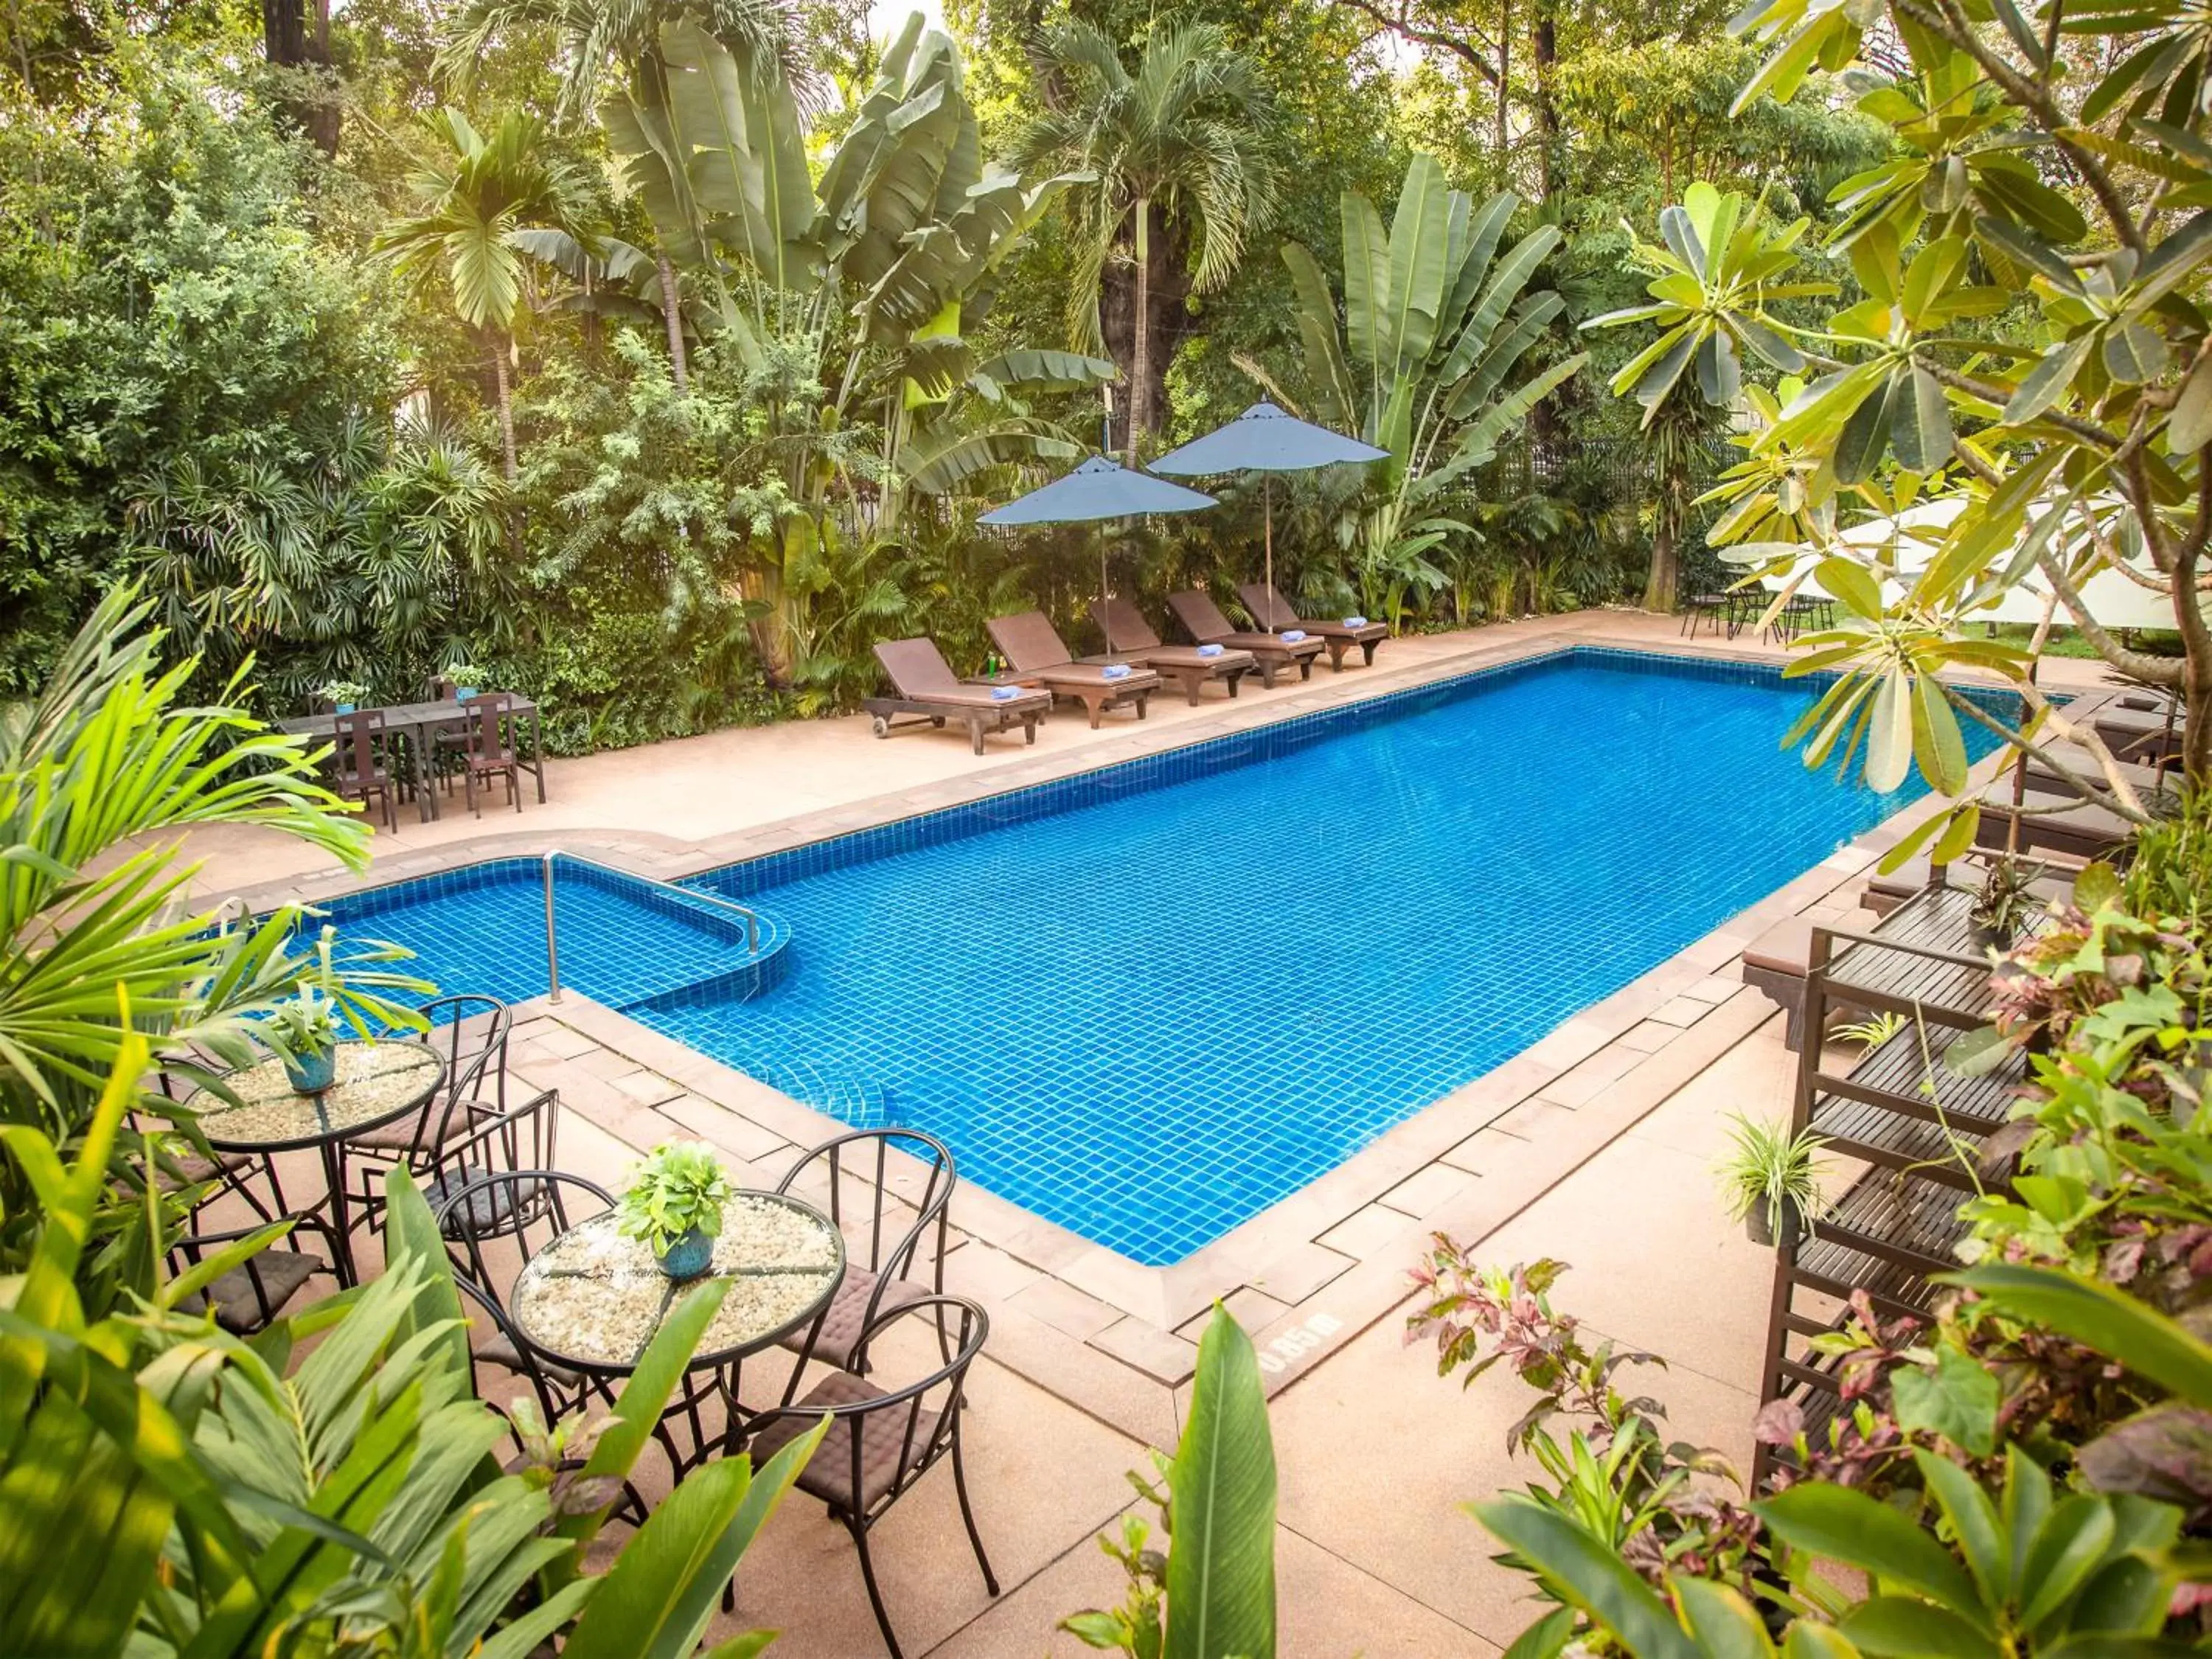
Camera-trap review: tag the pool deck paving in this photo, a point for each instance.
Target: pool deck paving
(1594, 1145)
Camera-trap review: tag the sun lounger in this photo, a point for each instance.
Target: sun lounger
(2140, 734)
(926, 687)
(1130, 637)
(1033, 648)
(1202, 620)
(2080, 830)
(2043, 774)
(1273, 612)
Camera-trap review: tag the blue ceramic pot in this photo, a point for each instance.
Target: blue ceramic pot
(312, 1073)
(688, 1255)
(462, 694)
(345, 708)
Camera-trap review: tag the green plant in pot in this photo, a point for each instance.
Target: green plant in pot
(343, 695)
(1770, 1180)
(674, 1203)
(2006, 902)
(467, 679)
(304, 1030)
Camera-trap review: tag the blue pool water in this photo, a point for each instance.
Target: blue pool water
(1147, 1002)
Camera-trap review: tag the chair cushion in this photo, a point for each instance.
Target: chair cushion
(192, 1169)
(281, 1275)
(1785, 948)
(841, 1326)
(398, 1135)
(828, 1474)
(490, 1211)
(499, 1350)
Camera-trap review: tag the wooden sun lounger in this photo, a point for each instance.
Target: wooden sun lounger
(2139, 733)
(1130, 635)
(928, 687)
(1202, 620)
(1034, 648)
(1273, 612)
(2081, 831)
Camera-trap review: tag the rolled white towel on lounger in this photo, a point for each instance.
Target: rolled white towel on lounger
(1209, 650)
(1006, 693)
(1114, 671)
(1355, 622)
(1291, 635)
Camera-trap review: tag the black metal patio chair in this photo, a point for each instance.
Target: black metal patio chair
(881, 1441)
(902, 1264)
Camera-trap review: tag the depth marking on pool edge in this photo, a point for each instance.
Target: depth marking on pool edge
(1301, 1338)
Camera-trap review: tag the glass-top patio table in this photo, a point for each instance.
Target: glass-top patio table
(591, 1300)
(420, 723)
(376, 1082)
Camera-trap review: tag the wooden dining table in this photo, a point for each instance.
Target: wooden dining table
(419, 724)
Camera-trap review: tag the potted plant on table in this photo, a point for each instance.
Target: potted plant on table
(467, 678)
(674, 1203)
(2005, 902)
(305, 1027)
(1770, 1180)
(343, 695)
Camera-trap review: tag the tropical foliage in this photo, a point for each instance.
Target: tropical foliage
(2024, 1472)
(1435, 327)
(171, 1489)
(100, 776)
(1214, 1590)
(2027, 358)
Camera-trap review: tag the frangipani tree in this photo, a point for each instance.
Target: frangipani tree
(1434, 326)
(2040, 355)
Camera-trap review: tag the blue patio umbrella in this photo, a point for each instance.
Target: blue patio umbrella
(1097, 489)
(1267, 439)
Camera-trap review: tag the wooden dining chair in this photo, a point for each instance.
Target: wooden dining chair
(363, 762)
(881, 1440)
(485, 746)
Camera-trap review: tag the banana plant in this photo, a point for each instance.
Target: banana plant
(2026, 1570)
(1213, 1596)
(865, 276)
(1434, 325)
(166, 1488)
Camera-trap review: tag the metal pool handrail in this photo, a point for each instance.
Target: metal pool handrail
(552, 943)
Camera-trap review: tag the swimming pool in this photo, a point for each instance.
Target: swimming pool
(1147, 1002)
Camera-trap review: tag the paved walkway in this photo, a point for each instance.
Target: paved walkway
(1595, 1147)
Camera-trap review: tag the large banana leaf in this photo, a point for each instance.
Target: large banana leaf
(1420, 241)
(1221, 1570)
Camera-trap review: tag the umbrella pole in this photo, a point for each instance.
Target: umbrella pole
(1105, 608)
(1267, 534)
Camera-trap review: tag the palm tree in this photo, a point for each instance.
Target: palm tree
(621, 39)
(487, 202)
(1187, 134)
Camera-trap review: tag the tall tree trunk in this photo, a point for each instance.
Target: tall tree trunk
(291, 40)
(1140, 368)
(1548, 111)
(673, 312)
(1504, 86)
(503, 395)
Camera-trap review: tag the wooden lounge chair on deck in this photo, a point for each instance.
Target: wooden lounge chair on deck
(1273, 612)
(1034, 648)
(1202, 620)
(1190, 666)
(926, 687)
(2051, 822)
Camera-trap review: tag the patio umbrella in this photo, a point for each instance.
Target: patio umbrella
(1097, 489)
(1267, 439)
